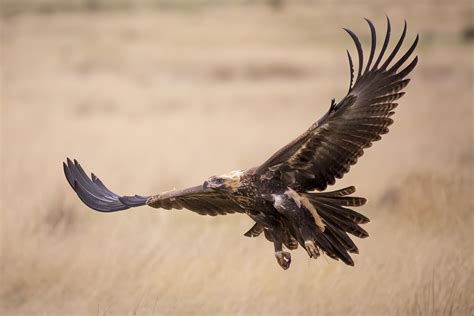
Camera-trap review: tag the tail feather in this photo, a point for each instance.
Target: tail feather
(341, 192)
(342, 237)
(339, 221)
(338, 247)
(343, 213)
(334, 201)
(328, 205)
(344, 200)
(326, 246)
(333, 248)
(344, 224)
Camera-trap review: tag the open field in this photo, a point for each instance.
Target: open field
(155, 99)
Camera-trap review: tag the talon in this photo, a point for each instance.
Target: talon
(283, 259)
(311, 248)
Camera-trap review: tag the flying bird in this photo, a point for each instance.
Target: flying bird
(284, 194)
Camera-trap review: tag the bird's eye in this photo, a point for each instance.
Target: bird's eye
(219, 180)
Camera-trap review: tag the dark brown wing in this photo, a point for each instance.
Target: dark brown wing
(97, 196)
(196, 199)
(334, 143)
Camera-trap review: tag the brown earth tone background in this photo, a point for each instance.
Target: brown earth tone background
(156, 95)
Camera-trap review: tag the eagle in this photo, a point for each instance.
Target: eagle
(285, 195)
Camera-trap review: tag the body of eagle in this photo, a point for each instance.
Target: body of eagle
(283, 195)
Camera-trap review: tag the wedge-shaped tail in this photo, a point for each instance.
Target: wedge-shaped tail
(339, 221)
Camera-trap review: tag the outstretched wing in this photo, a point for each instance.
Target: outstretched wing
(196, 199)
(97, 196)
(331, 145)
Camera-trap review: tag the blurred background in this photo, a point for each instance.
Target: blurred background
(156, 95)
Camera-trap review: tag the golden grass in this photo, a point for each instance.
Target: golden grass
(156, 100)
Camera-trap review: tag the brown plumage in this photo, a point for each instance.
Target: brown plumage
(279, 194)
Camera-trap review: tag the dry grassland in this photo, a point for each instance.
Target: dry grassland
(155, 99)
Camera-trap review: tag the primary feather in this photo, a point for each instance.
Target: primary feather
(329, 147)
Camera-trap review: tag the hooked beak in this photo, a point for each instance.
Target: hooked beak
(210, 184)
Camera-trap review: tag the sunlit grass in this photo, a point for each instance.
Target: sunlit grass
(152, 101)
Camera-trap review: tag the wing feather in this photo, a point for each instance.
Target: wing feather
(94, 193)
(373, 36)
(97, 196)
(385, 44)
(196, 199)
(360, 52)
(335, 142)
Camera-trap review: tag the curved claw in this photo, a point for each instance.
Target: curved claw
(311, 248)
(283, 259)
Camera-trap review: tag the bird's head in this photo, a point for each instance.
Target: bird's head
(228, 182)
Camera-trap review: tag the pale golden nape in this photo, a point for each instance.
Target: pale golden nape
(232, 179)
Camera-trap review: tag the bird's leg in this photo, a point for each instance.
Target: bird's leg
(274, 233)
(283, 257)
(305, 227)
(311, 248)
(291, 205)
(309, 243)
(273, 230)
(289, 240)
(305, 231)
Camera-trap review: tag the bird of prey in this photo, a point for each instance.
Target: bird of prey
(284, 194)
